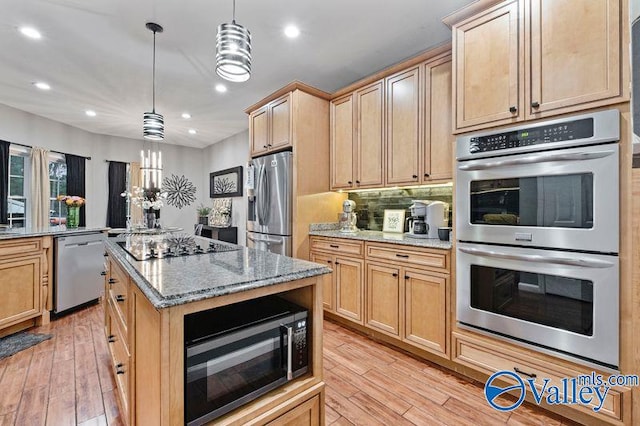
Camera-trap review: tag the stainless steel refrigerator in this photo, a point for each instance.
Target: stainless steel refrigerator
(269, 216)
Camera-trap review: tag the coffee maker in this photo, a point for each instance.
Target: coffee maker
(348, 217)
(416, 223)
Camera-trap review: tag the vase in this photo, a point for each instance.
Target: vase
(151, 218)
(73, 216)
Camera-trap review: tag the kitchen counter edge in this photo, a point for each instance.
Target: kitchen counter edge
(382, 237)
(54, 231)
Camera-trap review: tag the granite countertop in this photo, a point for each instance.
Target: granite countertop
(178, 280)
(383, 237)
(11, 233)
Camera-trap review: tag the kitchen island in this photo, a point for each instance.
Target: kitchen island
(26, 275)
(148, 294)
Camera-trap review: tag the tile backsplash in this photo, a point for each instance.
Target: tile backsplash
(370, 205)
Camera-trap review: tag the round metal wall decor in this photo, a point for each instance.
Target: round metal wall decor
(180, 191)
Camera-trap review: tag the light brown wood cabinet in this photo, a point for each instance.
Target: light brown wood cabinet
(270, 126)
(24, 283)
(328, 281)
(357, 138)
(522, 60)
(404, 290)
(437, 149)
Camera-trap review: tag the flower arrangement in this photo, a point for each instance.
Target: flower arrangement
(146, 198)
(71, 200)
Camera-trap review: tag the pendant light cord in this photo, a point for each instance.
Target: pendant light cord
(154, 73)
(234, 11)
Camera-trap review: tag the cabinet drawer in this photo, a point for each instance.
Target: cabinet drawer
(410, 256)
(20, 246)
(118, 285)
(340, 246)
(478, 355)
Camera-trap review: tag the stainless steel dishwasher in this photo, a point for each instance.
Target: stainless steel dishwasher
(78, 263)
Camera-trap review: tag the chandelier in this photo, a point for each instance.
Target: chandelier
(233, 51)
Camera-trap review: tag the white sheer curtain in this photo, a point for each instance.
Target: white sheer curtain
(40, 191)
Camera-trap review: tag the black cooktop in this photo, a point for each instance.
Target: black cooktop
(174, 246)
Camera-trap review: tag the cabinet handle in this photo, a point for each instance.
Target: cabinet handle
(105, 254)
(406, 277)
(513, 109)
(119, 369)
(333, 246)
(395, 274)
(517, 370)
(404, 256)
(328, 261)
(112, 338)
(119, 298)
(535, 104)
(358, 182)
(269, 145)
(336, 262)
(103, 273)
(415, 176)
(112, 281)
(426, 175)
(350, 182)
(264, 146)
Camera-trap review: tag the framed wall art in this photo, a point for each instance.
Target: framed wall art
(226, 183)
(393, 221)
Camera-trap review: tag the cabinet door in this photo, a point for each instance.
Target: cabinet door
(369, 136)
(574, 60)
(426, 310)
(20, 281)
(403, 127)
(488, 85)
(342, 153)
(280, 117)
(305, 414)
(259, 130)
(383, 298)
(328, 287)
(438, 140)
(349, 288)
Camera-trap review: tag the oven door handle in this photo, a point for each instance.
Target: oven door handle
(533, 159)
(287, 332)
(584, 262)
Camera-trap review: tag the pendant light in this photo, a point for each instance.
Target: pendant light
(233, 51)
(153, 123)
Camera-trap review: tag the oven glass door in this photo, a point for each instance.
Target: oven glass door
(565, 199)
(562, 301)
(221, 377)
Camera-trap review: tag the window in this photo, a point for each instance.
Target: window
(57, 186)
(18, 187)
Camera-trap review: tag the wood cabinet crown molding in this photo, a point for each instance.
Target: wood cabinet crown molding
(468, 11)
(294, 85)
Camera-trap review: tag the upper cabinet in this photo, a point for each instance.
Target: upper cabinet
(536, 58)
(357, 139)
(270, 126)
(396, 130)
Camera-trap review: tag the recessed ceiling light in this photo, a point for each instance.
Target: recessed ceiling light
(186, 115)
(90, 113)
(221, 88)
(291, 31)
(192, 131)
(30, 32)
(42, 85)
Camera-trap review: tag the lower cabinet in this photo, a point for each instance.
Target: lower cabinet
(306, 414)
(383, 298)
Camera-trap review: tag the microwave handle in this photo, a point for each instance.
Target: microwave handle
(586, 263)
(538, 158)
(287, 332)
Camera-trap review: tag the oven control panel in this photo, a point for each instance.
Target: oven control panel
(569, 130)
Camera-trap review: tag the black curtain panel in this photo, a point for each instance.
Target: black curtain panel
(76, 180)
(117, 205)
(4, 181)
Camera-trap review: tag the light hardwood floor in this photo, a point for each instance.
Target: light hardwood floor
(67, 381)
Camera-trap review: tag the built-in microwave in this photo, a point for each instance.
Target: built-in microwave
(236, 353)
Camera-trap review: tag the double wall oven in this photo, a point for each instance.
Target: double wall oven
(538, 233)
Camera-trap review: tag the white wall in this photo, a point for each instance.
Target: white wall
(231, 152)
(25, 128)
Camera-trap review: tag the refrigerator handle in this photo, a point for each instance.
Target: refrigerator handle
(266, 213)
(260, 195)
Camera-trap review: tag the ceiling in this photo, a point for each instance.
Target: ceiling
(98, 54)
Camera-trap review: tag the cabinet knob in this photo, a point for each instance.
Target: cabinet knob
(426, 175)
(328, 261)
(415, 176)
(395, 274)
(111, 338)
(535, 104)
(264, 146)
(119, 298)
(111, 281)
(336, 262)
(513, 109)
(103, 273)
(350, 182)
(406, 277)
